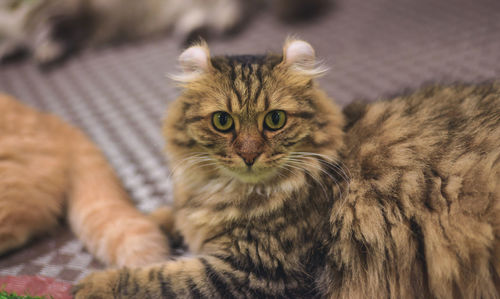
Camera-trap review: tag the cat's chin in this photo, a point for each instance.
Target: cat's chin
(252, 176)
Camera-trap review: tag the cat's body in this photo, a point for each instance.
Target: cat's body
(278, 195)
(421, 215)
(50, 170)
(54, 28)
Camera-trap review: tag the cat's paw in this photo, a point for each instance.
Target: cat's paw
(49, 52)
(98, 285)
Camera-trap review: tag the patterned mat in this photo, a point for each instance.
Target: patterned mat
(119, 95)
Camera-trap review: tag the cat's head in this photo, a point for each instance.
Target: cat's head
(252, 118)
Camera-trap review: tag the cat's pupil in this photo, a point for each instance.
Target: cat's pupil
(223, 119)
(275, 117)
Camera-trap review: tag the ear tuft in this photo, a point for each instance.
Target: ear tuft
(194, 61)
(299, 56)
(298, 52)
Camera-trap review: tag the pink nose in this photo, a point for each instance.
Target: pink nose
(249, 145)
(249, 157)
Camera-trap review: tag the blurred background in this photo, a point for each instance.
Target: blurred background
(102, 65)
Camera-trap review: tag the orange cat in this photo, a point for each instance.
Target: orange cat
(49, 170)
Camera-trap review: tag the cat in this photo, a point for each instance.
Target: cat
(49, 170)
(280, 194)
(54, 29)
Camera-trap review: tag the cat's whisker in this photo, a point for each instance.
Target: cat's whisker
(317, 180)
(347, 179)
(329, 160)
(299, 165)
(338, 170)
(318, 167)
(199, 164)
(190, 157)
(287, 168)
(190, 161)
(328, 174)
(301, 157)
(343, 198)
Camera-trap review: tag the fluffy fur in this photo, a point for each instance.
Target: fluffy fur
(395, 199)
(54, 28)
(43, 178)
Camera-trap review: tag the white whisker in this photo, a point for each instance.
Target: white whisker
(300, 167)
(330, 163)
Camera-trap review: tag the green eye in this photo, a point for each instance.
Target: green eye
(275, 120)
(222, 121)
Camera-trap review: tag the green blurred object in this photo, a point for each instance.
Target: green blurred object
(5, 295)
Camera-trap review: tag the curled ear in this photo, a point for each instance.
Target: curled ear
(299, 56)
(194, 62)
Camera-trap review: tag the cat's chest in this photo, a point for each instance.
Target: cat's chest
(198, 220)
(200, 216)
(197, 226)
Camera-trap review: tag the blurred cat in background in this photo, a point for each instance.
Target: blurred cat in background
(52, 29)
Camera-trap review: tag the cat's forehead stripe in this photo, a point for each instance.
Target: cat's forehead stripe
(247, 59)
(233, 75)
(246, 75)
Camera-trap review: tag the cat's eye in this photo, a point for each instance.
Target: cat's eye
(275, 120)
(222, 121)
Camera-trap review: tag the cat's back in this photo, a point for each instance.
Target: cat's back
(445, 128)
(431, 111)
(423, 206)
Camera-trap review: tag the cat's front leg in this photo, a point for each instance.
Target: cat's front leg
(102, 284)
(209, 276)
(118, 283)
(183, 278)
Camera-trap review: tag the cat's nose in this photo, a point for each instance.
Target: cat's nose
(249, 145)
(249, 158)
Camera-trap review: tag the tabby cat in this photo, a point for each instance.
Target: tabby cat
(280, 194)
(49, 169)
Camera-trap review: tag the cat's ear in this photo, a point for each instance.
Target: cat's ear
(194, 62)
(299, 56)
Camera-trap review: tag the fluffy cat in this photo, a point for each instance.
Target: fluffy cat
(54, 28)
(279, 194)
(49, 169)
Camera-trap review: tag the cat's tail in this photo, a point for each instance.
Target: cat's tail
(103, 217)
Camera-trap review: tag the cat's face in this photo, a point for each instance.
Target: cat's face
(252, 118)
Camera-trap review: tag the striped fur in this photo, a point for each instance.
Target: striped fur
(45, 178)
(396, 199)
